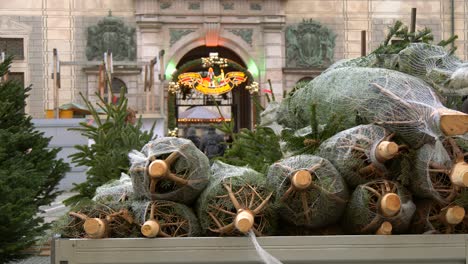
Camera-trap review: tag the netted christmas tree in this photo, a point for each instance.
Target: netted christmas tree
(309, 191)
(114, 136)
(169, 168)
(381, 206)
(29, 171)
(432, 218)
(399, 102)
(236, 201)
(361, 154)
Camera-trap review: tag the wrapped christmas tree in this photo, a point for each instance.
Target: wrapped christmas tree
(165, 219)
(399, 102)
(436, 174)
(432, 218)
(360, 153)
(309, 191)
(171, 169)
(236, 201)
(97, 220)
(114, 191)
(379, 207)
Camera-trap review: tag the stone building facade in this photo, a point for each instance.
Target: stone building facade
(255, 30)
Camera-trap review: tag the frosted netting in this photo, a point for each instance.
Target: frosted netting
(397, 101)
(353, 153)
(430, 175)
(320, 204)
(436, 66)
(115, 190)
(363, 214)
(430, 219)
(174, 219)
(269, 117)
(117, 216)
(187, 175)
(217, 209)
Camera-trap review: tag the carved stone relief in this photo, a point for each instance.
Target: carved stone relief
(178, 33)
(244, 33)
(111, 34)
(309, 44)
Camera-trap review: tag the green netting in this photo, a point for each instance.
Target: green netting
(174, 219)
(188, 165)
(115, 190)
(320, 204)
(363, 214)
(217, 211)
(119, 218)
(394, 100)
(353, 153)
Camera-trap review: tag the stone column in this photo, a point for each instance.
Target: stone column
(274, 56)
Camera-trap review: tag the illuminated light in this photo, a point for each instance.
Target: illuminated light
(170, 69)
(252, 68)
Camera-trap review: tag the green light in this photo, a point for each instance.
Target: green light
(170, 69)
(252, 68)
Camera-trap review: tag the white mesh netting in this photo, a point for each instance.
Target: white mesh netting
(115, 190)
(172, 169)
(364, 215)
(317, 200)
(436, 66)
(394, 100)
(231, 190)
(174, 219)
(354, 153)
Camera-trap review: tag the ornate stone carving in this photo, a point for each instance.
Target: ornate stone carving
(244, 33)
(255, 6)
(111, 34)
(228, 5)
(178, 33)
(165, 5)
(194, 6)
(309, 44)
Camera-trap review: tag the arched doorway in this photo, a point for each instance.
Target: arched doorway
(237, 102)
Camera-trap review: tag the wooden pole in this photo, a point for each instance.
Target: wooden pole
(101, 80)
(161, 81)
(453, 123)
(54, 61)
(363, 43)
(413, 20)
(146, 88)
(3, 57)
(151, 84)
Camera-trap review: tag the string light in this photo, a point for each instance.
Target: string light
(214, 59)
(200, 120)
(173, 88)
(252, 88)
(173, 133)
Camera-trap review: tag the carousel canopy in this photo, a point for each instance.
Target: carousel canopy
(202, 114)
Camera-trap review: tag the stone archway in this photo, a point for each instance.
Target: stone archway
(237, 99)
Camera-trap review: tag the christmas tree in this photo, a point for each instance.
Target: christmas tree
(114, 136)
(29, 171)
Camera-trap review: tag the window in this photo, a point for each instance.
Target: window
(12, 47)
(117, 85)
(16, 76)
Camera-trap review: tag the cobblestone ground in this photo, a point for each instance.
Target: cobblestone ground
(34, 260)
